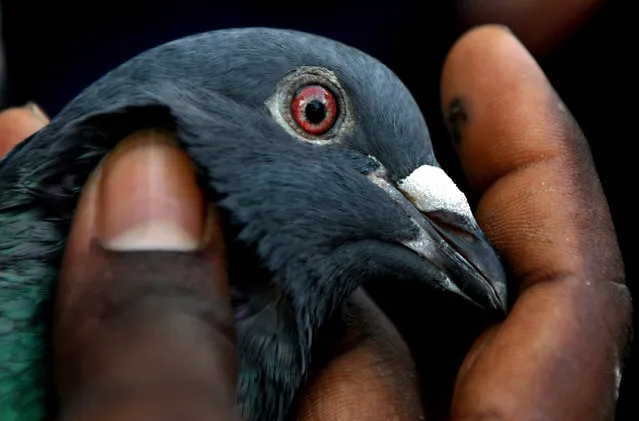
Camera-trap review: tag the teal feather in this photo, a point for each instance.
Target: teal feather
(30, 249)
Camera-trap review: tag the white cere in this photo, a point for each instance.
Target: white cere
(430, 189)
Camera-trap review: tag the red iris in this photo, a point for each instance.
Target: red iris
(314, 109)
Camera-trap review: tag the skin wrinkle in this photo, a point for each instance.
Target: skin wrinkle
(519, 208)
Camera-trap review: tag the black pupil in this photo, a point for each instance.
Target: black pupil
(315, 111)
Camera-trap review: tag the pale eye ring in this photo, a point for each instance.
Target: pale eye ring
(311, 104)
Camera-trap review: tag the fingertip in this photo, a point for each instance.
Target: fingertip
(470, 47)
(500, 108)
(18, 123)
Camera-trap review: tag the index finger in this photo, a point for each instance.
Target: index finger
(559, 353)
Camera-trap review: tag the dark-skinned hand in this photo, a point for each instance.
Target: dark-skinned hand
(557, 356)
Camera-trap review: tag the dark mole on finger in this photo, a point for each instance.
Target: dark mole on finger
(456, 116)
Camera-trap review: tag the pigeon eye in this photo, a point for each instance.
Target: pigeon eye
(312, 106)
(314, 109)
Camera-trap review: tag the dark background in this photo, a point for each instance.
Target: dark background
(54, 49)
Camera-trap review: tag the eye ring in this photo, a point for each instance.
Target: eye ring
(314, 108)
(286, 105)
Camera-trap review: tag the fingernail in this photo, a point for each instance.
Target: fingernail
(148, 197)
(37, 111)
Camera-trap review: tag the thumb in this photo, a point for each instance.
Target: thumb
(143, 324)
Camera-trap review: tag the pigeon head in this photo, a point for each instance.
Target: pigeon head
(321, 161)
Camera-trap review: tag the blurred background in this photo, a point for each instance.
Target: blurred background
(54, 49)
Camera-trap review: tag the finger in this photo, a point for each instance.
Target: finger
(558, 354)
(559, 19)
(371, 375)
(16, 124)
(143, 324)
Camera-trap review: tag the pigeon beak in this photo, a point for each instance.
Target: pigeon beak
(449, 237)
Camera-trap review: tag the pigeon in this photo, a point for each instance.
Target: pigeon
(319, 158)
